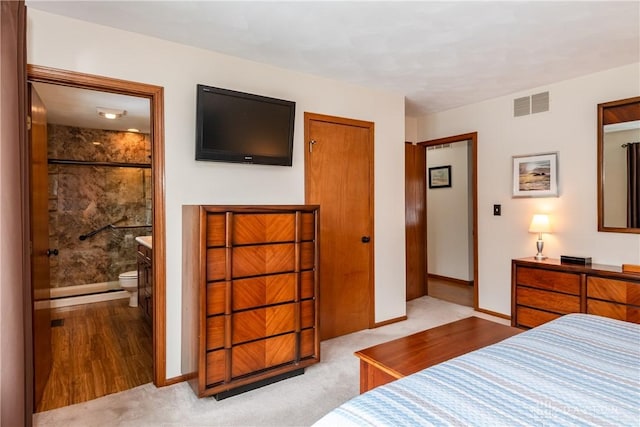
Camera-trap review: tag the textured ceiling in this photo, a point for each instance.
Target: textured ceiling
(439, 55)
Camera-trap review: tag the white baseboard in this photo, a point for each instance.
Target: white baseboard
(88, 299)
(83, 294)
(89, 288)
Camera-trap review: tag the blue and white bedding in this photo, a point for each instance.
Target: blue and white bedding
(576, 370)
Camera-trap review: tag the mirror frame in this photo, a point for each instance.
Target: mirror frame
(600, 178)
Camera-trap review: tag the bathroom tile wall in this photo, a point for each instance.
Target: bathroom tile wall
(83, 198)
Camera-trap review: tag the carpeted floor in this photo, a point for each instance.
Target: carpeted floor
(298, 401)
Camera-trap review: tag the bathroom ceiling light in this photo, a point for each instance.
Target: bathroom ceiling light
(110, 113)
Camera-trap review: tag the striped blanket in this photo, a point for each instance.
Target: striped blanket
(578, 370)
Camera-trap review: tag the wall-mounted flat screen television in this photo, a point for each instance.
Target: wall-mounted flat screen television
(243, 128)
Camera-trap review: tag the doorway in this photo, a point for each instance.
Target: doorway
(154, 95)
(339, 178)
(454, 285)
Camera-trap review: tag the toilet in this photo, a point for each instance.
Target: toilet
(129, 282)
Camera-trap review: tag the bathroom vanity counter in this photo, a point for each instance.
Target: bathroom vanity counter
(145, 240)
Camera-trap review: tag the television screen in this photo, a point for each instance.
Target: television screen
(243, 128)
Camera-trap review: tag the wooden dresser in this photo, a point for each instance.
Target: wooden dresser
(544, 290)
(250, 295)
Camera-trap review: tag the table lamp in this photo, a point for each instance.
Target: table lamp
(540, 224)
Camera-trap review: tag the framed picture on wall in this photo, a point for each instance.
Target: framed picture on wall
(535, 175)
(440, 177)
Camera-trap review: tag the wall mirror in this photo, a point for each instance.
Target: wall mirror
(619, 166)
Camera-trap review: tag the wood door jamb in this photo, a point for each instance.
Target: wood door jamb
(155, 94)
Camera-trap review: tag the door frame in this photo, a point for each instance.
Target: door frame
(155, 94)
(308, 117)
(473, 137)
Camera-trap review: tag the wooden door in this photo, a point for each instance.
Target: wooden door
(39, 201)
(339, 178)
(415, 220)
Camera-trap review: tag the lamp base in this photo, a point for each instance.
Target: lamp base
(539, 247)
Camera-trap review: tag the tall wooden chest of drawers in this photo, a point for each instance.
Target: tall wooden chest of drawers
(250, 295)
(547, 289)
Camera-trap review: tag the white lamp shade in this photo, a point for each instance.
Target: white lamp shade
(540, 224)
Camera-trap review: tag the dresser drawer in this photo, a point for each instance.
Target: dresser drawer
(307, 343)
(307, 314)
(263, 322)
(263, 228)
(263, 290)
(530, 317)
(216, 298)
(548, 301)
(547, 279)
(307, 256)
(215, 332)
(308, 227)
(307, 285)
(216, 264)
(262, 354)
(613, 290)
(613, 310)
(216, 229)
(263, 259)
(215, 367)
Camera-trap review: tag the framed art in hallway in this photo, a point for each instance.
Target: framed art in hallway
(440, 177)
(535, 175)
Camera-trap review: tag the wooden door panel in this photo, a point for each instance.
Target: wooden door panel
(39, 193)
(338, 177)
(415, 220)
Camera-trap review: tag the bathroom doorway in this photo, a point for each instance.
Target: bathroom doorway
(126, 168)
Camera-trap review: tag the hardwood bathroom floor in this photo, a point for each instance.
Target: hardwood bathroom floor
(451, 291)
(100, 348)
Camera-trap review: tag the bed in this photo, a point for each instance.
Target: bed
(579, 369)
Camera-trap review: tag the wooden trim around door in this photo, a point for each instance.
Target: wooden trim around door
(155, 94)
(308, 117)
(473, 137)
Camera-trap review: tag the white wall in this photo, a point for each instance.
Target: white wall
(569, 128)
(448, 215)
(411, 129)
(64, 43)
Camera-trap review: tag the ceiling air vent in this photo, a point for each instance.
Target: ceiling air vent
(521, 106)
(540, 102)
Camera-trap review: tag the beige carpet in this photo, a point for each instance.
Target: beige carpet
(298, 401)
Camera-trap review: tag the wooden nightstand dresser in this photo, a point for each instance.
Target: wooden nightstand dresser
(545, 290)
